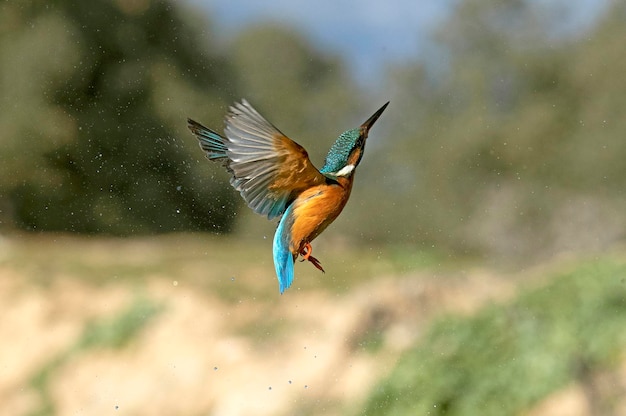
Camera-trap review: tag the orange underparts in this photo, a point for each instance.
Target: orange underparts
(306, 252)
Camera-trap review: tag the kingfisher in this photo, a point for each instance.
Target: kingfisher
(275, 177)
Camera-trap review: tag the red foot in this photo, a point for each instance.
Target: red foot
(306, 255)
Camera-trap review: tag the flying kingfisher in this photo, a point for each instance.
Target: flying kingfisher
(275, 177)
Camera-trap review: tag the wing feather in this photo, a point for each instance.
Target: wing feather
(269, 169)
(211, 142)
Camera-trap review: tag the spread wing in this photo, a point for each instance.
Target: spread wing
(268, 168)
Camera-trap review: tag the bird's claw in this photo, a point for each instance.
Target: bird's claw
(316, 263)
(306, 255)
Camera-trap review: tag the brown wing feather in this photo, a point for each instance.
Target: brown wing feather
(269, 169)
(295, 171)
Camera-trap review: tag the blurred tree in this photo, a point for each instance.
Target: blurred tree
(94, 94)
(94, 106)
(509, 144)
(512, 147)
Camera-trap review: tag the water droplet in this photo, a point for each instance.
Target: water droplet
(175, 283)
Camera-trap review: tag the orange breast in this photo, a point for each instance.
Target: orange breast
(315, 209)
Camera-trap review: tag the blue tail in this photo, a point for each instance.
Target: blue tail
(283, 259)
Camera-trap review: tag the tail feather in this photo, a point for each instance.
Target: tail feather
(283, 258)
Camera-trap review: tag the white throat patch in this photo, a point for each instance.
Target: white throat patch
(345, 171)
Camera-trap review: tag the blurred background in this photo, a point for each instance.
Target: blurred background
(479, 267)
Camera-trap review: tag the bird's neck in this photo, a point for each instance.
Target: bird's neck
(346, 183)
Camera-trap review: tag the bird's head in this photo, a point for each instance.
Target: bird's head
(346, 153)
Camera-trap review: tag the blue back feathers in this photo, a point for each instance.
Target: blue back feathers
(337, 157)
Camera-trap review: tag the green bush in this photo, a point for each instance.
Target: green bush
(508, 357)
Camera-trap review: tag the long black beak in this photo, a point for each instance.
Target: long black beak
(370, 121)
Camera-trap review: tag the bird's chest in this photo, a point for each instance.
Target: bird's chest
(315, 209)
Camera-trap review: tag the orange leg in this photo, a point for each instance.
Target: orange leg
(306, 255)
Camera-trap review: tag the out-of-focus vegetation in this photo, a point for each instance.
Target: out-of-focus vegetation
(517, 148)
(94, 103)
(135, 324)
(90, 97)
(508, 357)
(508, 141)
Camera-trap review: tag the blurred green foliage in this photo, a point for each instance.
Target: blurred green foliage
(90, 144)
(94, 106)
(515, 148)
(508, 357)
(509, 142)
